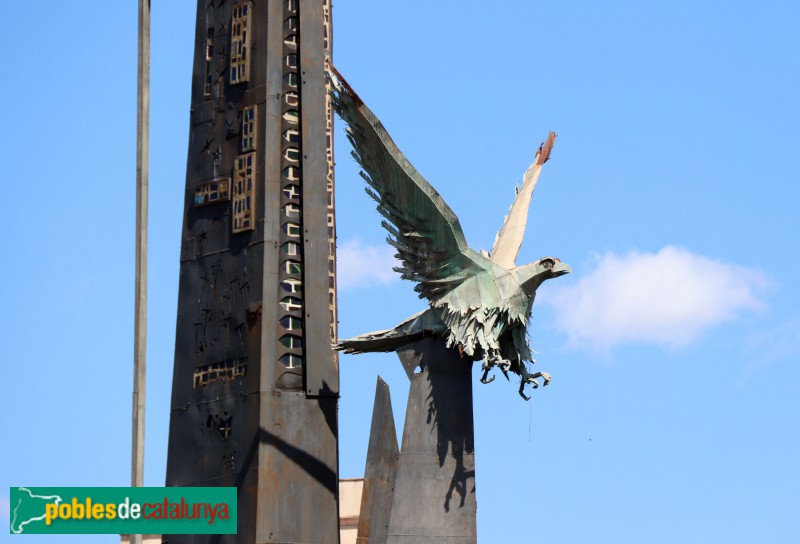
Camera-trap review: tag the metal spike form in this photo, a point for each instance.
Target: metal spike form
(380, 471)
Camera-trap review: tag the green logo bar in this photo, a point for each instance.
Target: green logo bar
(123, 510)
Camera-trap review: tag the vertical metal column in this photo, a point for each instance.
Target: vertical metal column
(140, 317)
(434, 491)
(255, 383)
(322, 370)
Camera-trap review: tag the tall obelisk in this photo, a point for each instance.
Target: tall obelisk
(255, 384)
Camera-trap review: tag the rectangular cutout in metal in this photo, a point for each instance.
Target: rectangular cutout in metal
(240, 42)
(243, 175)
(249, 132)
(212, 191)
(215, 372)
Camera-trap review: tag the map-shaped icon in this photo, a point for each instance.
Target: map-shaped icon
(28, 508)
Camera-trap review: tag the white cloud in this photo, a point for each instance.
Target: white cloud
(669, 298)
(362, 265)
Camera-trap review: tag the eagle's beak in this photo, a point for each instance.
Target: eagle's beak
(532, 275)
(560, 269)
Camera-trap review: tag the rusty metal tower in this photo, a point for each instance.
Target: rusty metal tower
(255, 384)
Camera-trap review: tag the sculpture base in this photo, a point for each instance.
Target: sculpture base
(434, 494)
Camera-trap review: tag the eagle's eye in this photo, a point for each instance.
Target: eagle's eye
(547, 264)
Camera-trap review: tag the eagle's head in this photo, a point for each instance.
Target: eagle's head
(531, 276)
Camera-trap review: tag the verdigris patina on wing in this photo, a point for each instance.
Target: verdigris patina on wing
(480, 302)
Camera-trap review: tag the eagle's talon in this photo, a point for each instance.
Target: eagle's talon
(483, 378)
(531, 379)
(547, 377)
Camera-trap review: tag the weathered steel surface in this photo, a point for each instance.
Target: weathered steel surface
(322, 371)
(380, 471)
(434, 493)
(240, 412)
(298, 469)
(265, 524)
(479, 305)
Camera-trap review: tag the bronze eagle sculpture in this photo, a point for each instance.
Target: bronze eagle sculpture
(480, 302)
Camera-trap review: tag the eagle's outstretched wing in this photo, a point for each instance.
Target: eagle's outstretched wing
(509, 238)
(422, 227)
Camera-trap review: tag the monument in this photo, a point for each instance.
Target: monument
(479, 307)
(256, 382)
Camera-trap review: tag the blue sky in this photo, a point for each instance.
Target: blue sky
(672, 191)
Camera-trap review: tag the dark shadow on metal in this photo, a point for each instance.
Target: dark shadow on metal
(310, 464)
(330, 417)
